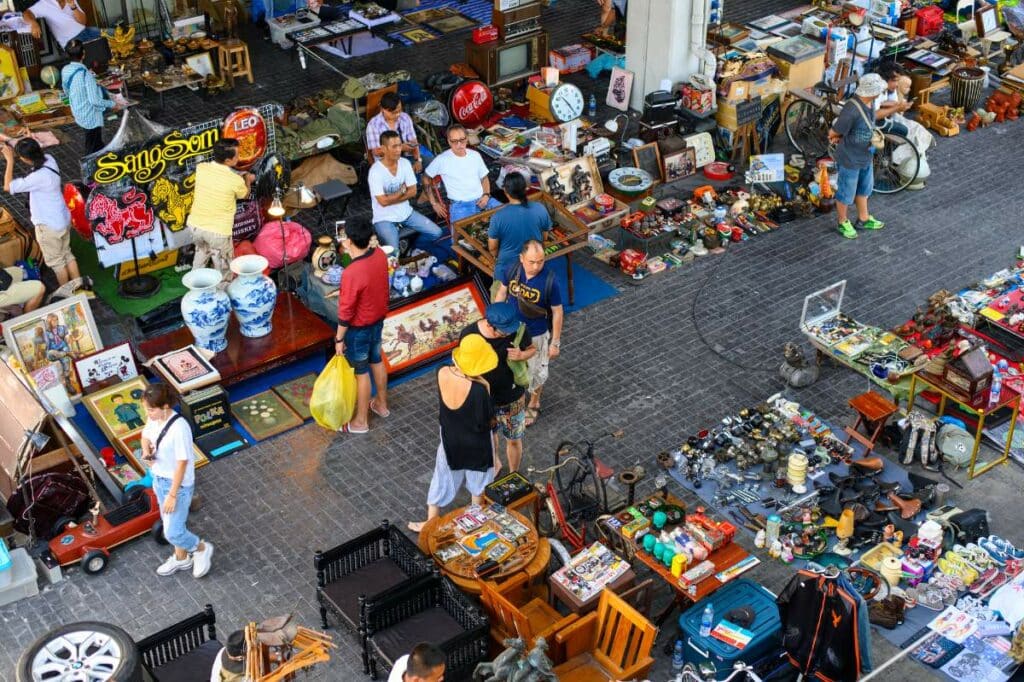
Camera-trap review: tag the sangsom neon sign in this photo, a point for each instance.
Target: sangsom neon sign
(146, 165)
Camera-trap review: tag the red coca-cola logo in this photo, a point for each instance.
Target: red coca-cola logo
(471, 103)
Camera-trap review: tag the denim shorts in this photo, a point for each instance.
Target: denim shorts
(854, 182)
(362, 347)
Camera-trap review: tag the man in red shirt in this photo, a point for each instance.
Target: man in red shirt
(362, 305)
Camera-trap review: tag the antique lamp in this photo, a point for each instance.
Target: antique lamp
(844, 531)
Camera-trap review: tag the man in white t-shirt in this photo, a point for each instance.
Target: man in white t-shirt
(65, 19)
(392, 184)
(426, 663)
(464, 175)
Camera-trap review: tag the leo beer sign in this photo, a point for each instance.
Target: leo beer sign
(248, 127)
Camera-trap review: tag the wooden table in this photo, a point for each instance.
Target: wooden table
(979, 406)
(723, 558)
(567, 234)
(296, 333)
(439, 531)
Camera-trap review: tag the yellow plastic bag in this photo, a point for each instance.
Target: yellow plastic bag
(334, 394)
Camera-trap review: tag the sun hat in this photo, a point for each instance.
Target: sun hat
(474, 356)
(870, 85)
(503, 317)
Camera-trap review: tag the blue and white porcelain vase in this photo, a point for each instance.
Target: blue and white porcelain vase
(253, 295)
(206, 308)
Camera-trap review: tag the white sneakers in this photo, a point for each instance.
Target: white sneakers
(199, 562)
(173, 565)
(201, 559)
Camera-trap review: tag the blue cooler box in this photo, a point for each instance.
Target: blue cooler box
(767, 627)
(5, 565)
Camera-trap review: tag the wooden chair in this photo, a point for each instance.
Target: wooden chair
(640, 597)
(613, 642)
(514, 611)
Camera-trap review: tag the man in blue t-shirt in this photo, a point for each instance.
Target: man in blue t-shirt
(851, 134)
(533, 288)
(513, 225)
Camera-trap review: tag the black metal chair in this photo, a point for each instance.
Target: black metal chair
(185, 651)
(427, 609)
(363, 568)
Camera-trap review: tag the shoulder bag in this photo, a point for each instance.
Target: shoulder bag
(520, 371)
(877, 136)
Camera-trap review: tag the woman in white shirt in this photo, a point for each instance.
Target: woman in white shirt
(167, 448)
(49, 212)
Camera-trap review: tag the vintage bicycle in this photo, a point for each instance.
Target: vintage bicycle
(807, 124)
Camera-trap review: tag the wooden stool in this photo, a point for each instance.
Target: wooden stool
(233, 56)
(873, 411)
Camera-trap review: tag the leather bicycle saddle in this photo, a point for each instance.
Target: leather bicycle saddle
(907, 507)
(867, 464)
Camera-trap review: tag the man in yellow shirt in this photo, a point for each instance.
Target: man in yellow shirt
(218, 187)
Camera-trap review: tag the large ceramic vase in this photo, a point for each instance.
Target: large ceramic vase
(206, 308)
(253, 295)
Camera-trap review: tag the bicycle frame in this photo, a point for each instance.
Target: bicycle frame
(576, 539)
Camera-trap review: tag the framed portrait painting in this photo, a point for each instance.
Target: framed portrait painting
(61, 332)
(419, 332)
(680, 164)
(118, 409)
(619, 87)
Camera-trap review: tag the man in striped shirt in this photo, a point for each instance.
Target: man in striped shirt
(391, 117)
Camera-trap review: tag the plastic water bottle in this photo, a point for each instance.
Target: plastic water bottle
(707, 620)
(592, 106)
(677, 657)
(996, 389)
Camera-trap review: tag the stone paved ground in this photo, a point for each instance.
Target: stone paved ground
(660, 360)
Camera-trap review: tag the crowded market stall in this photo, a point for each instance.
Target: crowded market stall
(867, 515)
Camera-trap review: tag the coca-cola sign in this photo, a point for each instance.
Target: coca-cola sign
(471, 103)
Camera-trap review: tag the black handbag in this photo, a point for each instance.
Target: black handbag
(968, 526)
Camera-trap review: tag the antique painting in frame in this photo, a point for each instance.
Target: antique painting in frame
(428, 327)
(61, 332)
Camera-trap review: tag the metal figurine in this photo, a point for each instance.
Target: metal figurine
(507, 664)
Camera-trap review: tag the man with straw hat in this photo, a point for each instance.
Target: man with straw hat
(465, 456)
(851, 133)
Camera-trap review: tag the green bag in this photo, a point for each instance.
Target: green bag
(520, 371)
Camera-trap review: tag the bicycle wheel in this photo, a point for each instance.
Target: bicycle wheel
(576, 481)
(889, 178)
(807, 130)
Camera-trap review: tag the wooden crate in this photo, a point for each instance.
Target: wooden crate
(567, 234)
(583, 209)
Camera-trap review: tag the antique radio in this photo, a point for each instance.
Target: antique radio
(970, 373)
(504, 61)
(516, 19)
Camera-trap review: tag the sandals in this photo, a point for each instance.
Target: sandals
(383, 414)
(347, 428)
(532, 415)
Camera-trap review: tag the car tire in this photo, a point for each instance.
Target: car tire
(158, 532)
(94, 561)
(60, 524)
(107, 647)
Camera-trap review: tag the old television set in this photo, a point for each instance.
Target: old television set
(504, 61)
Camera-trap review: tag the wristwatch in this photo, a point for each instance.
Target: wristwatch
(557, 343)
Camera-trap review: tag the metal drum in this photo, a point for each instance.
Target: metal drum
(966, 84)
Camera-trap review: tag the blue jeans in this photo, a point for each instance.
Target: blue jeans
(854, 182)
(891, 126)
(175, 530)
(387, 232)
(88, 33)
(362, 347)
(459, 210)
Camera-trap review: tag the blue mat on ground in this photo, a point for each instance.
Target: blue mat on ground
(250, 387)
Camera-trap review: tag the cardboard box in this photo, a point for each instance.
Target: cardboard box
(571, 58)
(804, 74)
(695, 99)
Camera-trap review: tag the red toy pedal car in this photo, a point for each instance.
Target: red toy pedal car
(89, 543)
